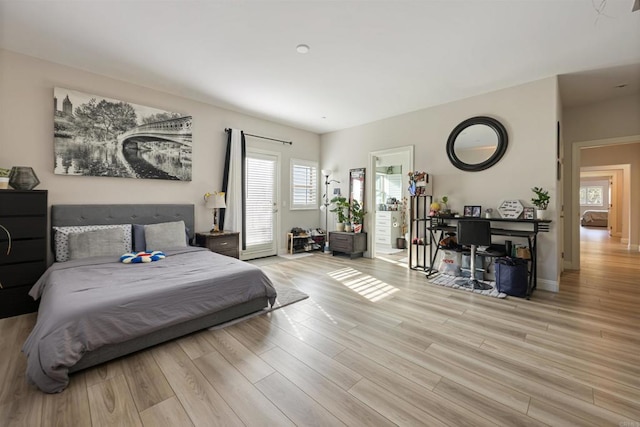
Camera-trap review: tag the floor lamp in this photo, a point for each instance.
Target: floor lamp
(325, 205)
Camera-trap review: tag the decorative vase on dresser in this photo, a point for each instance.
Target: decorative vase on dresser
(23, 248)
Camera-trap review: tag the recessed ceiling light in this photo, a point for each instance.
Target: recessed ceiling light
(621, 85)
(302, 48)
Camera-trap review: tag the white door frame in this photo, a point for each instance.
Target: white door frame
(276, 231)
(574, 222)
(370, 186)
(611, 174)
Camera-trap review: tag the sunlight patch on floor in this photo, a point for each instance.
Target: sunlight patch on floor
(400, 263)
(363, 284)
(293, 323)
(323, 311)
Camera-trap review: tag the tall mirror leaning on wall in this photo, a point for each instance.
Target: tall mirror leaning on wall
(356, 185)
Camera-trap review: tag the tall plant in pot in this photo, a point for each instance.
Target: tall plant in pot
(4, 178)
(541, 202)
(357, 216)
(341, 209)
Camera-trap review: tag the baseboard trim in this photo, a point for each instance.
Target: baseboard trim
(624, 240)
(568, 265)
(634, 247)
(548, 285)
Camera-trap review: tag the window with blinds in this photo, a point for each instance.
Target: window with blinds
(259, 203)
(592, 195)
(304, 184)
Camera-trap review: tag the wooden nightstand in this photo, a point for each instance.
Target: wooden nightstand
(352, 244)
(224, 242)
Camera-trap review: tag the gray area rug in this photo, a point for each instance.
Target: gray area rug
(261, 262)
(449, 282)
(286, 296)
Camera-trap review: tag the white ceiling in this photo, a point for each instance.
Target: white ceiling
(369, 59)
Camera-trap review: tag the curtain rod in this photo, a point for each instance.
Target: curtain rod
(263, 137)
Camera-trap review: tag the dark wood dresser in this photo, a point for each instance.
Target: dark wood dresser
(352, 244)
(24, 214)
(224, 242)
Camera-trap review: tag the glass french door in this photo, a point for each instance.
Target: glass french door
(261, 204)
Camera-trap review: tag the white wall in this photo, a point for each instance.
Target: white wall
(26, 138)
(615, 118)
(528, 112)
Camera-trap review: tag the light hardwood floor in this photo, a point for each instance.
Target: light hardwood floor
(374, 345)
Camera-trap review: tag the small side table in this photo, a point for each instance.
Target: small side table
(352, 244)
(224, 242)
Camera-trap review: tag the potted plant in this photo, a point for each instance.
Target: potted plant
(4, 178)
(357, 216)
(341, 209)
(541, 201)
(444, 207)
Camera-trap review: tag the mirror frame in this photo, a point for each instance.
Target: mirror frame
(503, 141)
(353, 174)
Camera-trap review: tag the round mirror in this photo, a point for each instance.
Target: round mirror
(477, 144)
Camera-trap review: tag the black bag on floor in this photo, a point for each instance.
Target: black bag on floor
(512, 276)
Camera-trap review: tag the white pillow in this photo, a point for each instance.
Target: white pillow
(108, 242)
(61, 237)
(165, 235)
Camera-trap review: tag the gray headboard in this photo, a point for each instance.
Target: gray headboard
(65, 215)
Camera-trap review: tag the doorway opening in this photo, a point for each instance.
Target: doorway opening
(584, 160)
(388, 203)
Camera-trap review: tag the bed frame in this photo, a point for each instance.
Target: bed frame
(68, 215)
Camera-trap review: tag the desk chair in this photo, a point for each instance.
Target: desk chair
(474, 232)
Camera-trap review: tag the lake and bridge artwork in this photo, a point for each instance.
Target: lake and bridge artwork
(98, 136)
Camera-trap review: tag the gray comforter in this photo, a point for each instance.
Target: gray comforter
(90, 302)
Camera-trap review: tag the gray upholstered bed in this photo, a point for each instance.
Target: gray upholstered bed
(595, 218)
(96, 309)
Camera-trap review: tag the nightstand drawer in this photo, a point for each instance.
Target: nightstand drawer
(341, 242)
(225, 243)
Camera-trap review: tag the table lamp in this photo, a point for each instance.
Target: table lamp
(215, 201)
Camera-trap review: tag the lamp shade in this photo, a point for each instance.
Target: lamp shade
(216, 201)
(326, 172)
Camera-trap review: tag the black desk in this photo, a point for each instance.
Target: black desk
(526, 229)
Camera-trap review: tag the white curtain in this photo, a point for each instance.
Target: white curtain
(234, 178)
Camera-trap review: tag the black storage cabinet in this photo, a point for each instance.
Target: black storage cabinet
(24, 214)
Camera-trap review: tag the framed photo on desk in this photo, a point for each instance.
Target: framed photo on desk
(472, 211)
(528, 213)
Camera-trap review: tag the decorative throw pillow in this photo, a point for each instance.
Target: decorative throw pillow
(107, 242)
(61, 237)
(165, 235)
(139, 242)
(140, 257)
